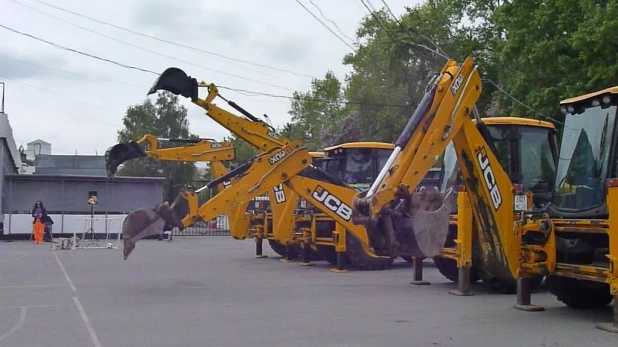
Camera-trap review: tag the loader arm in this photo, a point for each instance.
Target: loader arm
(193, 150)
(251, 129)
(443, 115)
(253, 178)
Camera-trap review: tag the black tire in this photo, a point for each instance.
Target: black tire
(361, 260)
(280, 249)
(407, 258)
(448, 267)
(509, 285)
(579, 294)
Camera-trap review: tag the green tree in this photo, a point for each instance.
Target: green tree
(243, 150)
(320, 108)
(164, 118)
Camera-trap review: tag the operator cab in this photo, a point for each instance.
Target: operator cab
(587, 155)
(357, 163)
(527, 150)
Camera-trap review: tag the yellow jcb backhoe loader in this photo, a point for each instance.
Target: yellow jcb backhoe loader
(527, 150)
(444, 116)
(581, 246)
(283, 200)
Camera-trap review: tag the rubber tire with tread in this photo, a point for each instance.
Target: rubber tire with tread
(579, 294)
(359, 259)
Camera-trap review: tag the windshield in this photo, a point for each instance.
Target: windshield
(359, 168)
(538, 165)
(583, 162)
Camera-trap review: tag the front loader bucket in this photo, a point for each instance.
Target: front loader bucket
(177, 82)
(143, 222)
(423, 233)
(119, 153)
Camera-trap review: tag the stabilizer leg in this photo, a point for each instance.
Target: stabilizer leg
(611, 327)
(463, 282)
(258, 248)
(417, 263)
(306, 261)
(524, 297)
(288, 254)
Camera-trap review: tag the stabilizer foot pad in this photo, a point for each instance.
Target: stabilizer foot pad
(609, 327)
(420, 283)
(458, 292)
(335, 270)
(261, 256)
(529, 308)
(307, 264)
(283, 260)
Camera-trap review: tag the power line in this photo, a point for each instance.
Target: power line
(66, 97)
(441, 53)
(171, 42)
(335, 24)
(326, 26)
(73, 73)
(76, 51)
(149, 50)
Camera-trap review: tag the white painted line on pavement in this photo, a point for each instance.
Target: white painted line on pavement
(93, 335)
(33, 286)
(22, 319)
(66, 275)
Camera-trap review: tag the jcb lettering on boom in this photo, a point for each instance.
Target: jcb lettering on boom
(457, 83)
(332, 203)
(278, 156)
(279, 194)
(490, 179)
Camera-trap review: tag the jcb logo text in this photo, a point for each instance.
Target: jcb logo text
(490, 179)
(277, 157)
(332, 203)
(279, 194)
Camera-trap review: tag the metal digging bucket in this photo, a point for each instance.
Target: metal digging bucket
(143, 222)
(119, 153)
(424, 232)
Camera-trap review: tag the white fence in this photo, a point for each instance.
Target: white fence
(20, 224)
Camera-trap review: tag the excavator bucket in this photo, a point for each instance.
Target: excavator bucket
(431, 227)
(119, 153)
(143, 222)
(423, 232)
(177, 82)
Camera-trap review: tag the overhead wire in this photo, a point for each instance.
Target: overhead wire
(331, 21)
(326, 26)
(150, 50)
(73, 73)
(77, 51)
(66, 97)
(172, 42)
(444, 55)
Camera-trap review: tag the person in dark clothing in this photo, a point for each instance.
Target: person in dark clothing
(39, 213)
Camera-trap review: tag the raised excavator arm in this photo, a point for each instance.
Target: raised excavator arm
(444, 115)
(251, 129)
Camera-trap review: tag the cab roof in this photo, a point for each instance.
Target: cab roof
(377, 145)
(516, 121)
(611, 90)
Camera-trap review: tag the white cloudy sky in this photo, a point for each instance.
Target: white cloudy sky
(63, 98)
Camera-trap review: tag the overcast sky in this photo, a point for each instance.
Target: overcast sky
(77, 103)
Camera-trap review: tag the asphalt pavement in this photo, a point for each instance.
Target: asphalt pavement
(212, 291)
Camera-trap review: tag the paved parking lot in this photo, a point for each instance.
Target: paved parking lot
(211, 291)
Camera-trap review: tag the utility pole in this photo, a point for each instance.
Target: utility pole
(2, 105)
